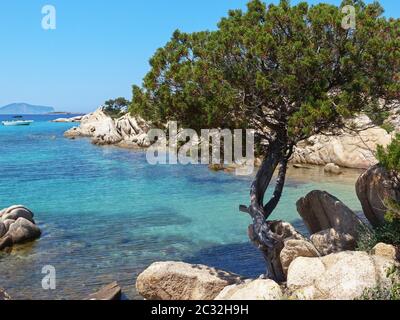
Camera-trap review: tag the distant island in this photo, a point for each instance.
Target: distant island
(25, 108)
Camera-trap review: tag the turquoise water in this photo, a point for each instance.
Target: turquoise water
(106, 214)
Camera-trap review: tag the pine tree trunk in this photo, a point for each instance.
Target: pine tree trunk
(269, 236)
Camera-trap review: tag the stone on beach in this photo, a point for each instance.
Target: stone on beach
(340, 276)
(182, 281)
(294, 249)
(252, 290)
(385, 250)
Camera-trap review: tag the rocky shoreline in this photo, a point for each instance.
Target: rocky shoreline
(324, 266)
(347, 149)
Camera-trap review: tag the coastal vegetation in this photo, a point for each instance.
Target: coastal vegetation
(116, 108)
(389, 231)
(385, 293)
(288, 72)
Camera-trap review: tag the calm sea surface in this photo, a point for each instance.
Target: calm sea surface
(106, 214)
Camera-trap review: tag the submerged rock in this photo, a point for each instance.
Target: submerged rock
(17, 226)
(341, 276)
(373, 188)
(252, 290)
(4, 295)
(109, 292)
(182, 281)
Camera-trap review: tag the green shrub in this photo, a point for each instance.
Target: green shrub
(388, 127)
(389, 157)
(388, 233)
(391, 292)
(393, 210)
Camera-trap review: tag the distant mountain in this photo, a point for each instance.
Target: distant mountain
(25, 108)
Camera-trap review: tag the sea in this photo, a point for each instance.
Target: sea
(106, 214)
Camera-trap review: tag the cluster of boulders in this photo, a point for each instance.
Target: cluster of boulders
(17, 226)
(126, 131)
(323, 266)
(349, 148)
(338, 276)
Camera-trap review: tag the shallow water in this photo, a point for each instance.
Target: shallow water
(106, 214)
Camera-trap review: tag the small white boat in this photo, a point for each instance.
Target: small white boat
(17, 123)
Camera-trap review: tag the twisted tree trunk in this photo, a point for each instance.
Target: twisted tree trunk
(268, 236)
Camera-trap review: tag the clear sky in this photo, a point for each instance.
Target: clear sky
(99, 48)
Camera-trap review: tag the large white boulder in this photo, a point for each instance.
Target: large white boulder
(182, 281)
(340, 276)
(252, 290)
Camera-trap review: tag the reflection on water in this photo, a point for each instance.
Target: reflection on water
(106, 214)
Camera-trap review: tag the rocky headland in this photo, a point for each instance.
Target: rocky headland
(127, 131)
(353, 147)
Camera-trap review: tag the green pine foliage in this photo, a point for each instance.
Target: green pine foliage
(286, 71)
(116, 108)
(389, 157)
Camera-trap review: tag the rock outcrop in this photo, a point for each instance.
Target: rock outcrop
(374, 187)
(17, 226)
(341, 276)
(182, 281)
(252, 290)
(349, 149)
(333, 226)
(127, 130)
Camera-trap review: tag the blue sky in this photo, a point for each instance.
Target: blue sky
(100, 47)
